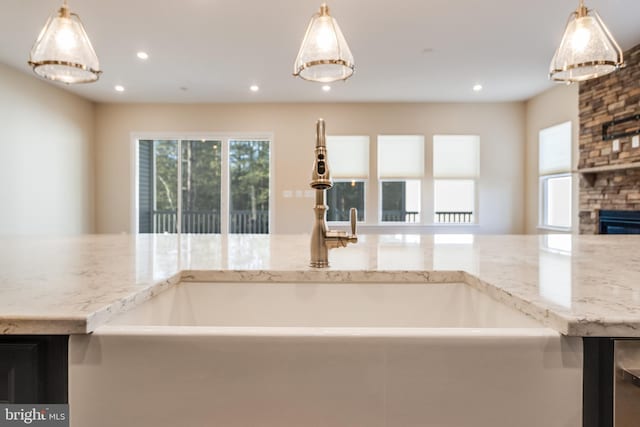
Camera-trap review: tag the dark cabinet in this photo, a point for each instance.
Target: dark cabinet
(597, 393)
(611, 395)
(33, 369)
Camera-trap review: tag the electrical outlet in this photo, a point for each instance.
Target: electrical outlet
(615, 147)
(635, 141)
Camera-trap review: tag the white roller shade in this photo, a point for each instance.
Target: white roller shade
(555, 149)
(558, 204)
(454, 195)
(348, 156)
(456, 156)
(400, 156)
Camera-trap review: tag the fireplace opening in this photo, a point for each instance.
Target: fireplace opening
(619, 222)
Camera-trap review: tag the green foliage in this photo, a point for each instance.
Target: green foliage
(249, 175)
(202, 171)
(166, 169)
(342, 197)
(393, 201)
(201, 176)
(393, 196)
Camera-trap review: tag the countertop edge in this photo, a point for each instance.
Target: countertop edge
(87, 324)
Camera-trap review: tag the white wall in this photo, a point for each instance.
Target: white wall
(501, 127)
(49, 163)
(555, 106)
(46, 158)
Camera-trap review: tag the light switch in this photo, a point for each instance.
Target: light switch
(615, 147)
(309, 194)
(298, 193)
(635, 141)
(287, 194)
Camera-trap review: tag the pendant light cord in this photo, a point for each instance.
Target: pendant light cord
(64, 10)
(581, 12)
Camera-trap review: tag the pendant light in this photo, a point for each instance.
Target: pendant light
(324, 55)
(587, 50)
(63, 52)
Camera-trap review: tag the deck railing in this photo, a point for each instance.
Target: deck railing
(454, 217)
(248, 222)
(207, 222)
(400, 216)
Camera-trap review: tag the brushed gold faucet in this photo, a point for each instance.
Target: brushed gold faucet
(323, 239)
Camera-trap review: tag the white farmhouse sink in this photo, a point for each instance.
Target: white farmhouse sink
(325, 354)
(325, 305)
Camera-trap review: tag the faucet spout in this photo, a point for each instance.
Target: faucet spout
(323, 239)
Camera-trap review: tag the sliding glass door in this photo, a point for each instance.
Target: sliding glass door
(248, 186)
(203, 185)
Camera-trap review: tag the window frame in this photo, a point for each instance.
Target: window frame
(475, 215)
(420, 179)
(400, 223)
(543, 201)
(365, 182)
(556, 173)
(224, 138)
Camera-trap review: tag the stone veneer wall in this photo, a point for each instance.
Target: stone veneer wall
(610, 97)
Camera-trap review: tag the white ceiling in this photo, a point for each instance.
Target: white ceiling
(405, 51)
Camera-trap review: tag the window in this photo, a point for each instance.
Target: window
(349, 163)
(343, 196)
(203, 185)
(456, 168)
(400, 171)
(555, 176)
(248, 186)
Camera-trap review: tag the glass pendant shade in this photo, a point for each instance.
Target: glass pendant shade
(587, 49)
(63, 52)
(324, 55)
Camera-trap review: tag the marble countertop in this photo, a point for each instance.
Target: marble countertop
(577, 285)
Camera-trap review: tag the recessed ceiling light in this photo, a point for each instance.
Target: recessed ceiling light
(326, 88)
(119, 88)
(254, 88)
(142, 55)
(477, 88)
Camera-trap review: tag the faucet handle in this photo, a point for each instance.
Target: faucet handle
(353, 217)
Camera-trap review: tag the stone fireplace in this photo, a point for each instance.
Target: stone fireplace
(610, 179)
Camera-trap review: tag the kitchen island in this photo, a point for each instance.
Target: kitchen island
(583, 286)
(576, 285)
